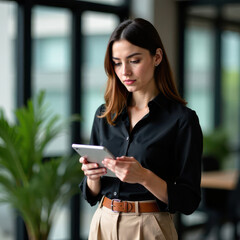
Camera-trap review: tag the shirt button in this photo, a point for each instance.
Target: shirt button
(127, 138)
(115, 193)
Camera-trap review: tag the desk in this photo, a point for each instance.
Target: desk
(220, 189)
(226, 179)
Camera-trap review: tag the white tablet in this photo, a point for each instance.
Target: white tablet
(94, 154)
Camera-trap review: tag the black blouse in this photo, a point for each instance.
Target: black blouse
(167, 141)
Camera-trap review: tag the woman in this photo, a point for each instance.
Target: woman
(156, 139)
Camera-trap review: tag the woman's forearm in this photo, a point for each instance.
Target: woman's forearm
(94, 186)
(156, 185)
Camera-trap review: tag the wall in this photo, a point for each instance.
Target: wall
(163, 14)
(165, 20)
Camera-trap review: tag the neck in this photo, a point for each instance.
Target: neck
(141, 100)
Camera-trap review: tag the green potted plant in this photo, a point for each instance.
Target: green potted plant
(216, 147)
(33, 186)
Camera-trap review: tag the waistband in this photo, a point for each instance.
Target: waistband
(116, 205)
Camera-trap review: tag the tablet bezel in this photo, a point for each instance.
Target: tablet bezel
(95, 153)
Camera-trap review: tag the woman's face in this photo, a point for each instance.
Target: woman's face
(135, 66)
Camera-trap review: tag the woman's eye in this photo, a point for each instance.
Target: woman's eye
(134, 61)
(116, 63)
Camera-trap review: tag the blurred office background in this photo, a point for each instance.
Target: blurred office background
(59, 46)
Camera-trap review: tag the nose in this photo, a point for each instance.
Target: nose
(126, 71)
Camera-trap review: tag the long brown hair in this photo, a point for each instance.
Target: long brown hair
(143, 34)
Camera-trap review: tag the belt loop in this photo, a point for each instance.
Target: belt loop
(101, 202)
(137, 208)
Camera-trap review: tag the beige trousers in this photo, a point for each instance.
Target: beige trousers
(108, 225)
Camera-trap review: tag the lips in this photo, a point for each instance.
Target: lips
(129, 82)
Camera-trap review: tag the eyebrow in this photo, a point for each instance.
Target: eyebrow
(129, 56)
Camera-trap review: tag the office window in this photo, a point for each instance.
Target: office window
(7, 95)
(199, 72)
(96, 29)
(51, 64)
(7, 57)
(231, 90)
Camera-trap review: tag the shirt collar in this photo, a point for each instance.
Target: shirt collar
(160, 101)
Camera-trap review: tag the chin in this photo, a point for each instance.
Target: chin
(131, 89)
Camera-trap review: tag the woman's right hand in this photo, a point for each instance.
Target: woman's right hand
(93, 173)
(92, 170)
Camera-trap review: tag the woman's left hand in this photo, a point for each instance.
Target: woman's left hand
(127, 169)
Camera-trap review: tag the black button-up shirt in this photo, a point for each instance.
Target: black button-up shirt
(168, 141)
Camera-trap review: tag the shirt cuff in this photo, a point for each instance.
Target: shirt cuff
(86, 195)
(182, 199)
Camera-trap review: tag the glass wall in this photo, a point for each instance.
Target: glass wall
(231, 91)
(96, 29)
(51, 32)
(7, 94)
(199, 71)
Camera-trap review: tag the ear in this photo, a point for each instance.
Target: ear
(158, 56)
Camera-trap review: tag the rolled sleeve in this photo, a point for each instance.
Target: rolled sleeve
(85, 193)
(184, 194)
